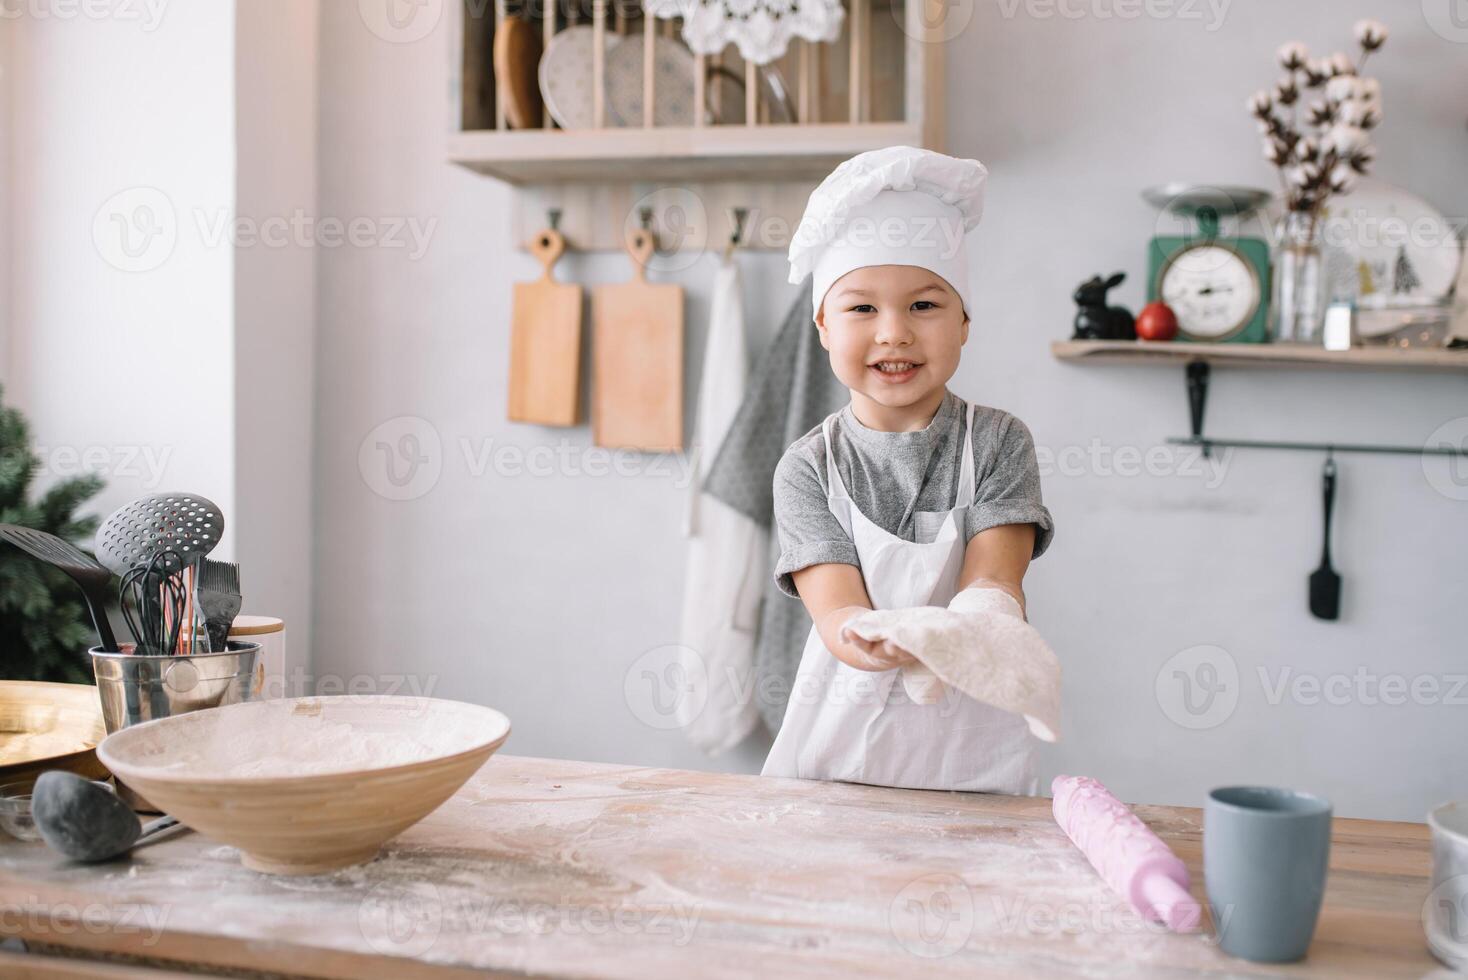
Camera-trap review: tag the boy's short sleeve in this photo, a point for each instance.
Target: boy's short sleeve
(1009, 485)
(809, 533)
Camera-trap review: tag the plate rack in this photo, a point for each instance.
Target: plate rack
(878, 84)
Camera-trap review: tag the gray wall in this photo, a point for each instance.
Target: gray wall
(537, 593)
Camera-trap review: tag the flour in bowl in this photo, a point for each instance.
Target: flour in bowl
(326, 747)
(297, 741)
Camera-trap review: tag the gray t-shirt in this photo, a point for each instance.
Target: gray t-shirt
(893, 475)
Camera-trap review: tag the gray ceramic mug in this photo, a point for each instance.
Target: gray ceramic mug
(1265, 853)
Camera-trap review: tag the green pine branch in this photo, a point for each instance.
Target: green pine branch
(44, 626)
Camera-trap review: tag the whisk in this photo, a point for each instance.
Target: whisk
(154, 600)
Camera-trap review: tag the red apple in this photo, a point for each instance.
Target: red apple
(1156, 322)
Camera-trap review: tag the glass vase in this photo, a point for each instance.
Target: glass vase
(1298, 303)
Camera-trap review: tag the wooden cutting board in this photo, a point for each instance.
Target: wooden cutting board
(516, 63)
(637, 359)
(545, 342)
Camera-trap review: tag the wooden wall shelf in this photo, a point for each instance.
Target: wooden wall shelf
(702, 153)
(1258, 355)
(880, 83)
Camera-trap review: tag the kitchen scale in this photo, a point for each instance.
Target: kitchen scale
(1217, 284)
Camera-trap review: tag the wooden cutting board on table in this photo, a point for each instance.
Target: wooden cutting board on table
(545, 342)
(637, 359)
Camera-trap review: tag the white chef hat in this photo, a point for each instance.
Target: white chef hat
(895, 206)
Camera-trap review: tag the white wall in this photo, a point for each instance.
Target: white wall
(1078, 116)
(539, 593)
(536, 594)
(123, 358)
(193, 368)
(532, 594)
(7, 85)
(275, 309)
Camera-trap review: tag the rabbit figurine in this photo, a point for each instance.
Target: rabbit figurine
(1097, 321)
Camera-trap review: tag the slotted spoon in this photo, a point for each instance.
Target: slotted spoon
(181, 522)
(84, 570)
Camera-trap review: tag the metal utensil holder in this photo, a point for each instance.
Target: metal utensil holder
(136, 688)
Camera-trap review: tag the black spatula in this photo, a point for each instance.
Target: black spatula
(84, 570)
(1325, 584)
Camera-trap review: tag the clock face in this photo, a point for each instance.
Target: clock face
(1212, 289)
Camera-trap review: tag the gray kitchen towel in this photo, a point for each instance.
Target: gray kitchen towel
(790, 391)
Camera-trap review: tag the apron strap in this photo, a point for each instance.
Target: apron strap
(838, 501)
(834, 485)
(967, 488)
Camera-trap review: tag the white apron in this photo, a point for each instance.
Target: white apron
(860, 726)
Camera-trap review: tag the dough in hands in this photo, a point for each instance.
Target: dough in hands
(921, 684)
(981, 646)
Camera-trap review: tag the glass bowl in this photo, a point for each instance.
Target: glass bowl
(15, 810)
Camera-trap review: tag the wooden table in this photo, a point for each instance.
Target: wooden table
(567, 868)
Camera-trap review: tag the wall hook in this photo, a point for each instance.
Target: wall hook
(737, 217)
(553, 218)
(644, 215)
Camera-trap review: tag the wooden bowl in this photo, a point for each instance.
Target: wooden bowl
(49, 726)
(305, 785)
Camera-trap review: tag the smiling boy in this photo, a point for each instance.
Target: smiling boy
(906, 496)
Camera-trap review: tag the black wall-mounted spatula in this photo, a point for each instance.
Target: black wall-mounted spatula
(1325, 584)
(84, 570)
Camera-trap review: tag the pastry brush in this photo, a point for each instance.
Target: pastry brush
(219, 599)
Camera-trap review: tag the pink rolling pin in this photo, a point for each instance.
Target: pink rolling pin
(1130, 858)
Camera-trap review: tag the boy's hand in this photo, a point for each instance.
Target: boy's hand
(1008, 588)
(878, 654)
(834, 593)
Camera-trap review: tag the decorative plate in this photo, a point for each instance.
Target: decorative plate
(1387, 248)
(566, 81)
(673, 70)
